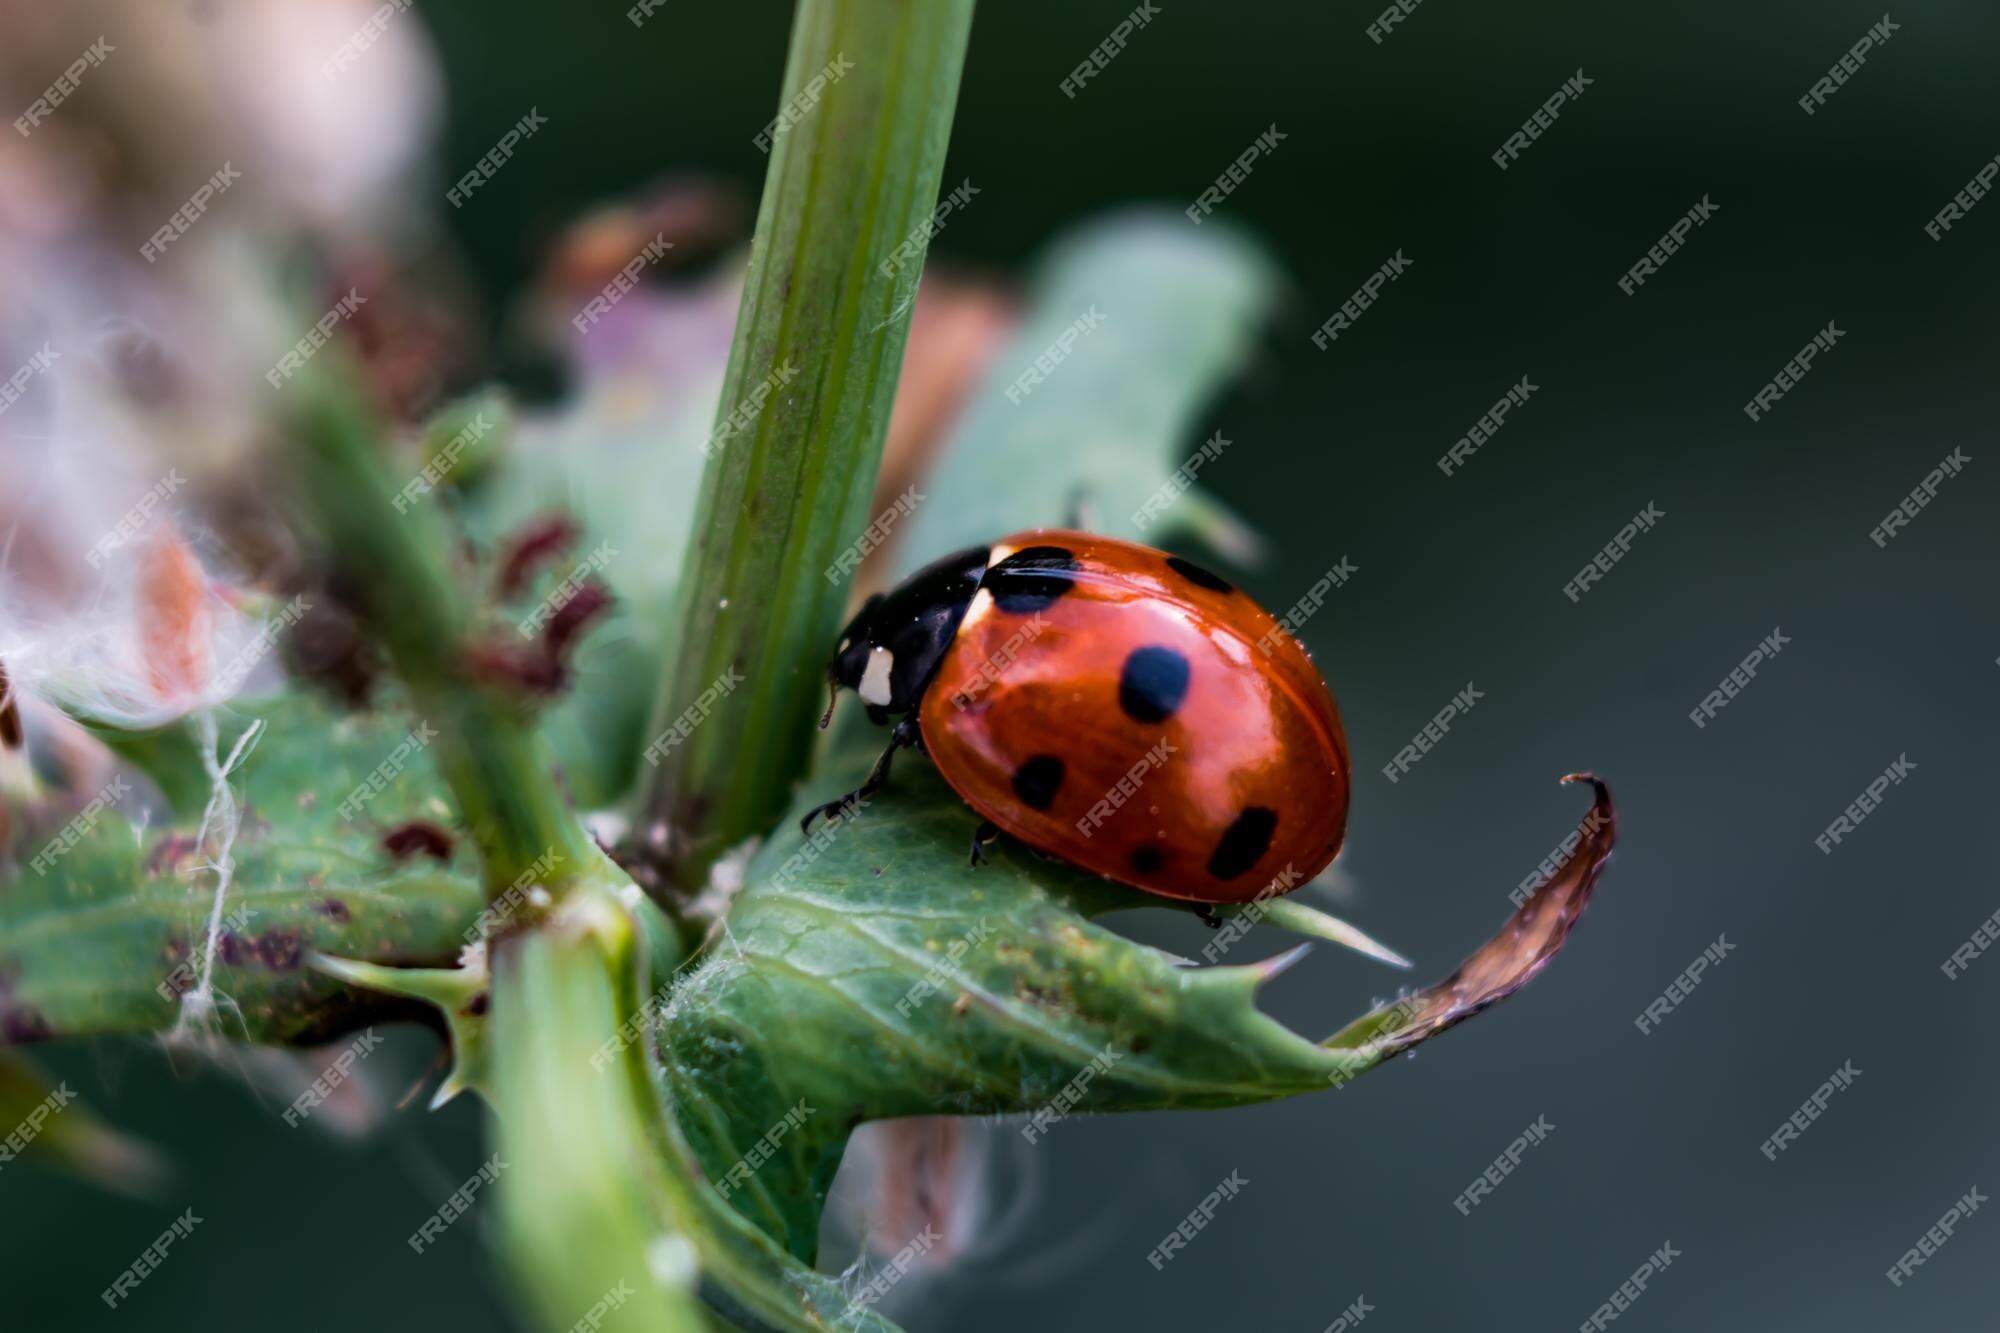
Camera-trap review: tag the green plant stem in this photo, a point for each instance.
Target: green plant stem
(787, 490)
(579, 1208)
(605, 1190)
(486, 748)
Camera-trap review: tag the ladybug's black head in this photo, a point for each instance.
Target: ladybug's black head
(891, 649)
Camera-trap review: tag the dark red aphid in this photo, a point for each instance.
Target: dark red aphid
(570, 619)
(540, 666)
(329, 647)
(531, 548)
(527, 668)
(418, 837)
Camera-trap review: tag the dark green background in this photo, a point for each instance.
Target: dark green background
(1894, 652)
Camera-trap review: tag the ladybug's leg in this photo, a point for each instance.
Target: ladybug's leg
(902, 734)
(1209, 916)
(983, 837)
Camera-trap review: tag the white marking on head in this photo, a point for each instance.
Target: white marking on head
(875, 677)
(997, 554)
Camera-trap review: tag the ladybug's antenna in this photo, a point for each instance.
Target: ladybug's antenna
(832, 698)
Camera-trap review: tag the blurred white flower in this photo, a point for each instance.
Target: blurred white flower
(132, 389)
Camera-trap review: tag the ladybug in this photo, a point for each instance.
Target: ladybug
(1116, 707)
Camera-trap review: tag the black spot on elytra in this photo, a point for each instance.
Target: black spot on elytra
(1243, 842)
(1031, 579)
(1038, 780)
(1201, 578)
(1147, 859)
(1153, 683)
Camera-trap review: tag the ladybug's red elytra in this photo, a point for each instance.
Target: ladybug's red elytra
(1120, 708)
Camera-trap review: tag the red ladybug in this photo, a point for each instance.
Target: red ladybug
(1125, 710)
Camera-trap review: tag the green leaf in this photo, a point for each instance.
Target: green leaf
(1108, 424)
(869, 972)
(460, 995)
(109, 935)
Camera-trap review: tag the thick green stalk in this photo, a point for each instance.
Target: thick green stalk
(580, 1210)
(486, 748)
(868, 96)
(606, 1195)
